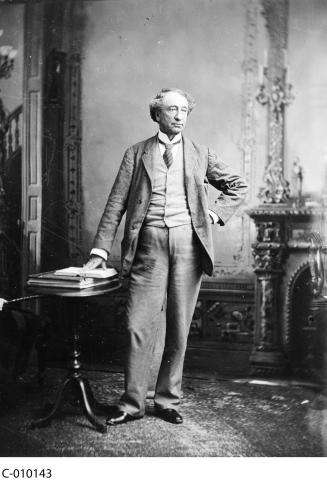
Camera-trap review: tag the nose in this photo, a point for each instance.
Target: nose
(178, 114)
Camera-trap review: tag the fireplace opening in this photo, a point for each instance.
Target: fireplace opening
(308, 327)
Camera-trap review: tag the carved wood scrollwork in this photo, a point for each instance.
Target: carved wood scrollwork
(72, 158)
(276, 94)
(222, 321)
(269, 250)
(268, 232)
(268, 257)
(283, 232)
(316, 264)
(266, 313)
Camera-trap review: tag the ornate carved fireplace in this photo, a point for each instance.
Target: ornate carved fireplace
(285, 333)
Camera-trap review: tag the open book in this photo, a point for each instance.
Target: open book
(81, 272)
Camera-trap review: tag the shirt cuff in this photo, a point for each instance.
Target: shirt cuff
(100, 253)
(214, 217)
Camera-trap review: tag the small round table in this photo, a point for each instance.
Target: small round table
(74, 376)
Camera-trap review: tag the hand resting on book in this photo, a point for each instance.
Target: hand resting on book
(95, 261)
(2, 302)
(83, 273)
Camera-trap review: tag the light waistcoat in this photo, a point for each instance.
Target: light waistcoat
(168, 205)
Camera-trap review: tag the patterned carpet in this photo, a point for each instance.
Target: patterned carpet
(221, 418)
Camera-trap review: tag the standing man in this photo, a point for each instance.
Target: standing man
(162, 185)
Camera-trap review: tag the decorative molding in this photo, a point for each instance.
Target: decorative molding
(32, 147)
(268, 258)
(10, 246)
(229, 321)
(230, 286)
(73, 31)
(269, 232)
(282, 210)
(269, 250)
(317, 267)
(276, 189)
(224, 313)
(72, 159)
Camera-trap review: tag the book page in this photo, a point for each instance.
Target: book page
(91, 273)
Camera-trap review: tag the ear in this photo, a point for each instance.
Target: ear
(157, 115)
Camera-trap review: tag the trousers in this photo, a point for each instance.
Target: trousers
(165, 278)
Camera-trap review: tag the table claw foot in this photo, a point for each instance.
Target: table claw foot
(46, 420)
(100, 427)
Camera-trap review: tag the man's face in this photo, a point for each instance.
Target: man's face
(173, 114)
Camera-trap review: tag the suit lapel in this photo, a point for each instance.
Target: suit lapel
(148, 157)
(190, 160)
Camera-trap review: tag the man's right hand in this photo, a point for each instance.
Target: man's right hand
(2, 302)
(95, 261)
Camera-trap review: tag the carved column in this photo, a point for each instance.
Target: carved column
(73, 201)
(270, 248)
(276, 93)
(72, 160)
(269, 252)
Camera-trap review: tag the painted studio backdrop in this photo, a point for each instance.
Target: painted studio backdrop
(78, 96)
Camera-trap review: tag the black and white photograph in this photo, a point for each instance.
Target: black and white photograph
(163, 230)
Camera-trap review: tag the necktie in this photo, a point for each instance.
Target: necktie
(168, 154)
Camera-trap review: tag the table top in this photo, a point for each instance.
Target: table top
(75, 293)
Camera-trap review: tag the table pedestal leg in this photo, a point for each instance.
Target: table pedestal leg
(75, 378)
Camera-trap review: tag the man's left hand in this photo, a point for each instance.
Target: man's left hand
(213, 217)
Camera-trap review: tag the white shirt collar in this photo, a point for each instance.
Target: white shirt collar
(163, 137)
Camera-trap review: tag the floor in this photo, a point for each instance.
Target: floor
(222, 418)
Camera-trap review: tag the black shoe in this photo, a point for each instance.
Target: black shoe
(169, 415)
(120, 417)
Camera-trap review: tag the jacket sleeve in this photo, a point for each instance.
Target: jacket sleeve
(116, 204)
(232, 187)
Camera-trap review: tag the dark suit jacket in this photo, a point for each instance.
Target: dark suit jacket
(132, 189)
